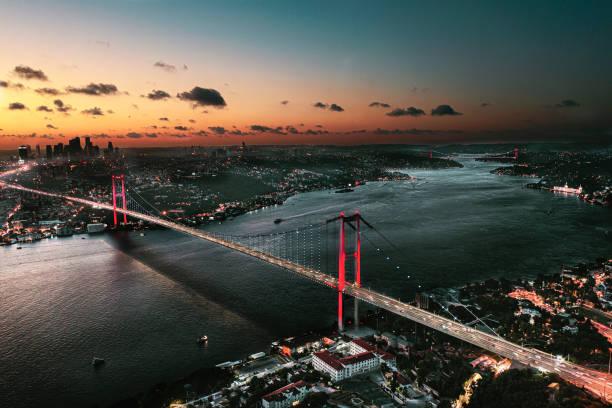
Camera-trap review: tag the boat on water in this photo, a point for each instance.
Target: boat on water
(18, 247)
(97, 361)
(278, 220)
(142, 234)
(344, 190)
(203, 339)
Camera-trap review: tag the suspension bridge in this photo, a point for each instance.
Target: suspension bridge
(291, 251)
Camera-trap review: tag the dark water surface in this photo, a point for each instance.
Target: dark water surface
(141, 301)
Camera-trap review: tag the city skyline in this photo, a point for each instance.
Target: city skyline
(304, 74)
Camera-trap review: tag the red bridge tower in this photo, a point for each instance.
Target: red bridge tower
(115, 198)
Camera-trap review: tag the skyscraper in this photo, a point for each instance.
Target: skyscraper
(49, 151)
(88, 146)
(23, 153)
(58, 150)
(74, 146)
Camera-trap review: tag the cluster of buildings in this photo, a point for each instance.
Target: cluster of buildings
(72, 151)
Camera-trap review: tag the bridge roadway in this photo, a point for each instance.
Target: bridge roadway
(596, 381)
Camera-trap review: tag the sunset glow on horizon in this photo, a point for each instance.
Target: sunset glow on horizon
(154, 73)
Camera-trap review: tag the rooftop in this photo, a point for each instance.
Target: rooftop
(287, 389)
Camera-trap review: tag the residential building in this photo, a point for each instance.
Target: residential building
(288, 396)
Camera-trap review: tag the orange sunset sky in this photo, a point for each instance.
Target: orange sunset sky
(284, 73)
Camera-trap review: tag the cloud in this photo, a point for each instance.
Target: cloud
(411, 111)
(134, 135)
(30, 73)
(50, 126)
(332, 107)
(151, 135)
(179, 135)
(285, 102)
(292, 130)
(95, 111)
(192, 121)
(567, 103)
(61, 107)
(203, 97)
(17, 106)
(14, 85)
(48, 91)
(164, 119)
(43, 108)
(379, 105)
(94, 89)
(443, 110)
(185, 67)
(202, 133)
(220, 130)
(260, 128)
(158, 94)
(485, 104)
(183, 128)
(110, 111)
(166, 67)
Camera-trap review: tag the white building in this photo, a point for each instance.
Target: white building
(360, 346)
(288, 396)
(341, 368)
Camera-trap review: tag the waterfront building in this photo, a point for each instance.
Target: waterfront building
(95, 228)
(301, 344)
(568, 190)
(288, 396)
